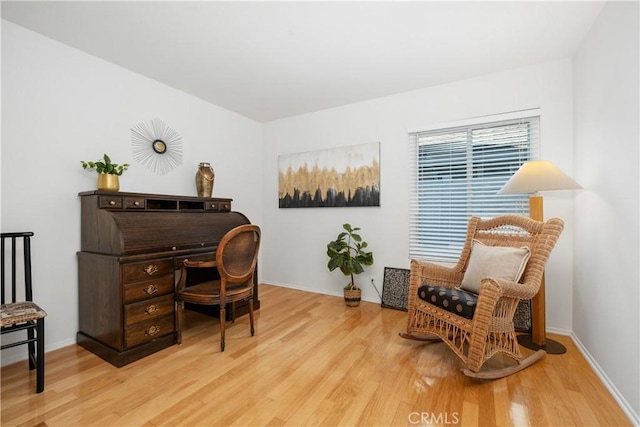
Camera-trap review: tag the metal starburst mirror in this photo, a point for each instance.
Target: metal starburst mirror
(156, 145)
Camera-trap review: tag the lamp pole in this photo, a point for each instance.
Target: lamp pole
(538, 338)
(534, 176)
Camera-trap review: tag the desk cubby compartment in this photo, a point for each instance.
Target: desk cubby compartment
(163, 205)
(187, 205)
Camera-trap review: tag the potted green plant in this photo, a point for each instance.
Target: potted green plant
(347, 253)
(108, 172)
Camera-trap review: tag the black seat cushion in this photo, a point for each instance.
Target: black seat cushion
(453, 300)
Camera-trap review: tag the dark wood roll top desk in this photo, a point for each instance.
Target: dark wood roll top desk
(132, 246)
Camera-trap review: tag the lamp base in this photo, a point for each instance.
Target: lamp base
(550, 346)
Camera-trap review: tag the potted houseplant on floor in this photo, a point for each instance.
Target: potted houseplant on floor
(347, 253)
(108, 172)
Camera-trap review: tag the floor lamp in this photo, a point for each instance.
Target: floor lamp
(532, 177)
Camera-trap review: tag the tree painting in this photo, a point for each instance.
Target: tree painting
(338, 177)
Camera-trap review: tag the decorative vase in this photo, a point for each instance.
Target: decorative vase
(204, 180)
(352, 297)
(108, 182)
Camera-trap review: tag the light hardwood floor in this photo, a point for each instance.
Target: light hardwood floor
(313, 361)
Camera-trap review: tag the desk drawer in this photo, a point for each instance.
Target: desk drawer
(149, 289)
(148, 330)
(148, 309)
(113, 202)
(134, 203)
(146, 270)
(207, 256)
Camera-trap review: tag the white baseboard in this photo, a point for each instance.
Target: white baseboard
(626, 407)
(20, 353)
(319, 291)
(557, 331)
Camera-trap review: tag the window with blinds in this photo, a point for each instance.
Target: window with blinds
(457, 173)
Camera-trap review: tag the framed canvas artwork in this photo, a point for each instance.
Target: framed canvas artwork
(338, 177)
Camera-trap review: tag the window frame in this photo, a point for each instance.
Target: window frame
(429, 237)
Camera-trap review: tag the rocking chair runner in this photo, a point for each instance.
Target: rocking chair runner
(476, 327)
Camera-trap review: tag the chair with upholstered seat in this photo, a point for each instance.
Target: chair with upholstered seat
(471, 305)
(18, 312)
(236, 260)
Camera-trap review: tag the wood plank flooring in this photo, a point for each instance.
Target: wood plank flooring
(313, 361)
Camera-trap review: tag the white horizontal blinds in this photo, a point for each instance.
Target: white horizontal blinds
(458, 172)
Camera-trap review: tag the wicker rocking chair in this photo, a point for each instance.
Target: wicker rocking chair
(476, 325)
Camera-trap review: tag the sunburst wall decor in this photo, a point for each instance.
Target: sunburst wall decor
(157, 146)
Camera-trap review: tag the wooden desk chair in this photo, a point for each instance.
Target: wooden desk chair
(18, 312)
(471, 306)
(236, 260)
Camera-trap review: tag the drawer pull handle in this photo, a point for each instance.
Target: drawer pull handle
(153, 330)
(151, 269)
(151, 289)
(151, 309)
(112, 202)
(136, 203)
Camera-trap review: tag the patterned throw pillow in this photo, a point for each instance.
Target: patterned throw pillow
(501, 262)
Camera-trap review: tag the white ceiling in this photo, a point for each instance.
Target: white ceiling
(271, 60)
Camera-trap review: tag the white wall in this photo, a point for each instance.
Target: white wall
(606, 122)
(294, 251)
(60, 106)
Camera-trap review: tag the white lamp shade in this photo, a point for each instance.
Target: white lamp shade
(538, 175)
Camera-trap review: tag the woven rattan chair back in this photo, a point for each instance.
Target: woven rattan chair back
(18, 312)
(238, 254)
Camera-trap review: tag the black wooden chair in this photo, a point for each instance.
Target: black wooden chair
(18, 312)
